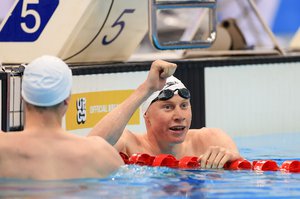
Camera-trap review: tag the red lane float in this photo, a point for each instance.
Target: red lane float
(290, 166)
(265, 165)
(239, 164)
(142, 159)
(166, 160)
(124, 157)
(190, 162)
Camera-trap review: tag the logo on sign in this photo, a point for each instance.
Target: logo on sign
(87, 109)
(81, 110)
(27, 20)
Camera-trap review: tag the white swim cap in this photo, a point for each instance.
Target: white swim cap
(172, 83)
(47, 81)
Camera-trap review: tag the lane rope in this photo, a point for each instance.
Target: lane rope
(192, 162)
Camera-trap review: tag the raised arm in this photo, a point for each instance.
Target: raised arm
(113, 124)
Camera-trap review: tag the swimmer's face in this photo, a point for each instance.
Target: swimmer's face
(169, 120)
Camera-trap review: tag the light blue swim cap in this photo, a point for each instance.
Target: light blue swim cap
(47, 81)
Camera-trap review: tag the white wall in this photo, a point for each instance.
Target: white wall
(242, 100)
(253, 99)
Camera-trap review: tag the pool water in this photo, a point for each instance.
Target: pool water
(133, 181)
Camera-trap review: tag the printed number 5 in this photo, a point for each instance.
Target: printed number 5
(27, 12)
(117, 23)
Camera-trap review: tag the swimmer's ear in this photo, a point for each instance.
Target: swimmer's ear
(146, 118)
(145, 115)
(67, 101)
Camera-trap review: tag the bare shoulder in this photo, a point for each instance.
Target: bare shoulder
(10, 139)
(129, 137)
(96, 142)
(100, 150)
(97, 146)
(128, 140)
(127, 134)
(212, 137)
(206, 132)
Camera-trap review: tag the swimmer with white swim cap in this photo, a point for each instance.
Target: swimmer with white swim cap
(172, 86)
(47, 81)
(168, 116)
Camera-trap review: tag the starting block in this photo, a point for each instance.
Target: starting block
(74, 30)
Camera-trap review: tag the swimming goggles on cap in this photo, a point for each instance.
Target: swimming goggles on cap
(168, 94)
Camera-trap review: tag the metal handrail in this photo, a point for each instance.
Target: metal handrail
(155, 5)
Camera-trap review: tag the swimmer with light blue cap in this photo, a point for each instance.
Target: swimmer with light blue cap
(44, 149)
(47, 81)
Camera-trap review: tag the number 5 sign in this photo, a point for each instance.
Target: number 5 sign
(75, 30)
(27, 20)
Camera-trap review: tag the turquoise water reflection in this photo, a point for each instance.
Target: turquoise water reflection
(153, 182)
(160, 182)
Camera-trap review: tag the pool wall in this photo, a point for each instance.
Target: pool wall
(253, 99)
(243, 96)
